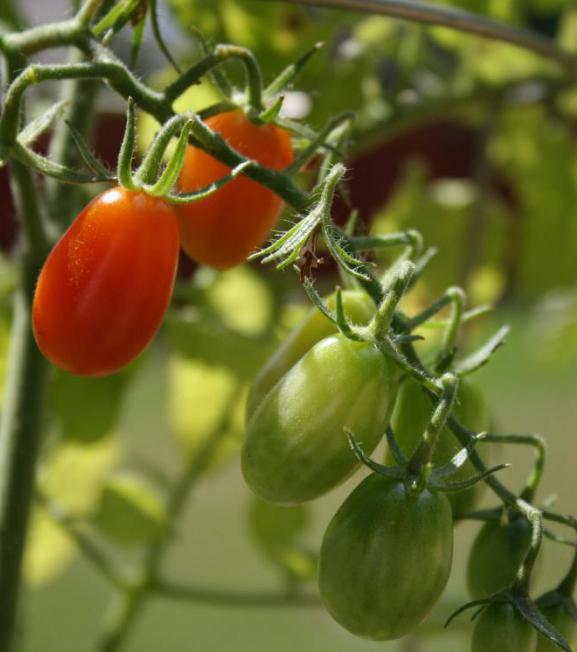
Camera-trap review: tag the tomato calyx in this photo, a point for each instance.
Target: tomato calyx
(157, 179)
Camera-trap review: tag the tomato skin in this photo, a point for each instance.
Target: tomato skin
(312, 329)
(103, 291)
(413, 412)
(295, 448)
(500, 628)
(560, 617)
(386, 558)
(222, 229)
(496, 554)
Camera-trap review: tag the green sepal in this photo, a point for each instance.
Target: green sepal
(39, 125)
(90, 159)
(389, 471)
(52, 169)
(170, 174)
(483, 354)
(201, 193)
(117, 17)
(288, 75)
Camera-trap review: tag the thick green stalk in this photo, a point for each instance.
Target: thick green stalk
(22, 415)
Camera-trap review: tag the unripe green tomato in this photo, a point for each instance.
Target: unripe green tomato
(386, 558)
(411, 416)
(560, 617)
(312, 329)
(500, 628)
(296, 448)
(496, 555)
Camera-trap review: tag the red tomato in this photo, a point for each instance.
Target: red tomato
(222, 229)
(106, 285)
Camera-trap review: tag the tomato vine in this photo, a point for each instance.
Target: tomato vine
(390, 332)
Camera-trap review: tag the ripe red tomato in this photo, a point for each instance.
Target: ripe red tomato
(105, 287)
(222, 229)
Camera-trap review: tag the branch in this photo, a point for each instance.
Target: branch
(464, 21)
(203, 595)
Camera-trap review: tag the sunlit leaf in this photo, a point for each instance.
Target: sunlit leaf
(49, 550)
(199, 396)
(129, 511)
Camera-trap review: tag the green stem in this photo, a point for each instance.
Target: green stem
(221, 54)
(131, 602)
(109, 68)
(80, 96)
(100, 560)
(464, 21)
(231, 599)
(457, 299)
(22, 411)
(423, 454)
(538, 443)
(535, 518)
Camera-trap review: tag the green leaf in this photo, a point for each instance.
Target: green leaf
(86, 409)
(129, 511)
(201, 335)
(48, 552)
(199, 395)
(278, 531)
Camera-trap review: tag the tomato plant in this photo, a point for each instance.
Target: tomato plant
(223, 229)
(295, 448)
(222, 147)
(106, 285)
(386, 558)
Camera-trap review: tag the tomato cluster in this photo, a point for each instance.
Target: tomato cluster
(105, 287)
(386, 555)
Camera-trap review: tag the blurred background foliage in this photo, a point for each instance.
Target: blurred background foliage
(469, 141)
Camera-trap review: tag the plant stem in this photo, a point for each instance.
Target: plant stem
(464, 21)
(80, 95)
(231, 599)
(22, 414)
(130, 602)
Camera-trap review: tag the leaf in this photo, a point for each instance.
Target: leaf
(39, 125)
(277, 530)
(74, 473)
(242, 299)
(129, 511)
(86, 409)
(48, 552)
(198, 396)
(201, 335)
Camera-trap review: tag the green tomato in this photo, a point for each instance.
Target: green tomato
(296, 448)
(496, 554)
(413, 412)
(386, 558)
(314, 327)
(563, 621)
(500, 628)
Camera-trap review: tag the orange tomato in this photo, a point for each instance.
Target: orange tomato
(103, 291)
(222, 229)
